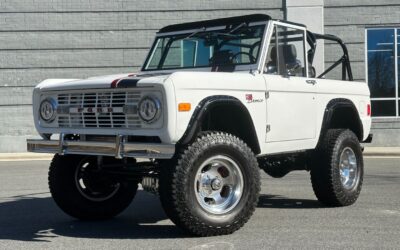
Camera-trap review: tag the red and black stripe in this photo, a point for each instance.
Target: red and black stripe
(125, 83)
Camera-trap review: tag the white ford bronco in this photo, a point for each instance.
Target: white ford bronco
(214, 102)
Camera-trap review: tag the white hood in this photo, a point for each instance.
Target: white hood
(101, 82)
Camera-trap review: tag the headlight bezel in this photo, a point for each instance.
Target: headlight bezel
(150, 99)
(51, 103)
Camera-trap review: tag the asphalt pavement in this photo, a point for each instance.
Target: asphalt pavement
(288, 216)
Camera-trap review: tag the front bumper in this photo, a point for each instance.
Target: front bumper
(119, 149)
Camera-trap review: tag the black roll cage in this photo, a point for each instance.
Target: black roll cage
(344, 60)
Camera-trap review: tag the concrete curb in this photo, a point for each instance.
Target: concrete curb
(25, 157)
(382, 151)
(368, 151)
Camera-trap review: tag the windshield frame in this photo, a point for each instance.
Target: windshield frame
(238, 67)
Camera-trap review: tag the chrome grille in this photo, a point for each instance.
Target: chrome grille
(99, 110)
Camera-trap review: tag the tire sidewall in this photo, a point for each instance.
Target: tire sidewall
(65, 192)
(237, 155)
(347, 140)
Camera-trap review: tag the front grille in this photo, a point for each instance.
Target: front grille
(99, 109)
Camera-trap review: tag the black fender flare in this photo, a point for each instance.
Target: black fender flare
(335, 104)
(205, 106)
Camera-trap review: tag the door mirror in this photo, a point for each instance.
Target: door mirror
(292, 71)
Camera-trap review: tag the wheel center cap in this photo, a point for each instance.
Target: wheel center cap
(216, 184)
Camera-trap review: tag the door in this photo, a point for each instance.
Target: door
(291, 105)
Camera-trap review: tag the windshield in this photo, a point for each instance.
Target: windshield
(225, 48)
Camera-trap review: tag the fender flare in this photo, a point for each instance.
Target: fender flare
(335, 104)
(208, 104)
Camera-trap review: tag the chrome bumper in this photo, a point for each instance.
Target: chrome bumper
(119, 149)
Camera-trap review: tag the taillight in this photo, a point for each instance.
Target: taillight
(368, 109)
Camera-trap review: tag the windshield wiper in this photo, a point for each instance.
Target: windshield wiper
(195, 33)
(238, 28)
(228, 34)
(232, 33)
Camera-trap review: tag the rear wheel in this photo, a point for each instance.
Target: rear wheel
(212, 187)
(338, 168)
(82, 191)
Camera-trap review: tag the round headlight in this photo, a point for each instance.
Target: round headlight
(47, 110)
(149, 109)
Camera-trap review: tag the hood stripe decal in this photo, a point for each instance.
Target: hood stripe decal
(132, 80)
(125, 83)
(115, 83)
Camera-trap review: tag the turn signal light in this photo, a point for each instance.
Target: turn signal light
(184, 107)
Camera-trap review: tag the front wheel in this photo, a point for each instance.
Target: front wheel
(337, 170)
(212, 187)
(82, 191)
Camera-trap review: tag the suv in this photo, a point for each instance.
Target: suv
(214, 102)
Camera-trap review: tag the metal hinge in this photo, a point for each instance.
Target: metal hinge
(268, 128)
(266, 94)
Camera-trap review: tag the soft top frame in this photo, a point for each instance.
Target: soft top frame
(216, 22)
(222, 22)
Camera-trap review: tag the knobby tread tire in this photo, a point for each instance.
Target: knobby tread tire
(325, 173)
(66, 195)
(175, 176)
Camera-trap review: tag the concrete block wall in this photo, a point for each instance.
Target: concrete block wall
(42, 39)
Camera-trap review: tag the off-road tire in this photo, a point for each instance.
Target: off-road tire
(177, 185)
(325, 169)
(67, 196)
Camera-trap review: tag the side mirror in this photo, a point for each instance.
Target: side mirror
(292, 70)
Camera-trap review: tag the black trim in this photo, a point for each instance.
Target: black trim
(201, 111)
(216, 22)
(329, 111)
(369, 138)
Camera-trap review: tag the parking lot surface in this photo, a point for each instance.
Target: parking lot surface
(288, 216)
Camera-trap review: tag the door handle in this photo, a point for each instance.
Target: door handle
(313, 82)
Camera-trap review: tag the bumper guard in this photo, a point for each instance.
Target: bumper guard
(119, 149)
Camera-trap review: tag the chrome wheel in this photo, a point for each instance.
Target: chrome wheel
(348, 168)
(219, 184)
(92, 185)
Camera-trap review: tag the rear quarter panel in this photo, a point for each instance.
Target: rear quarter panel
(357, 92)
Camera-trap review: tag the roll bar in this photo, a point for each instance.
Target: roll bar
(344, 60)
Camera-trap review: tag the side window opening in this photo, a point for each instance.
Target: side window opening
(286, 54)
